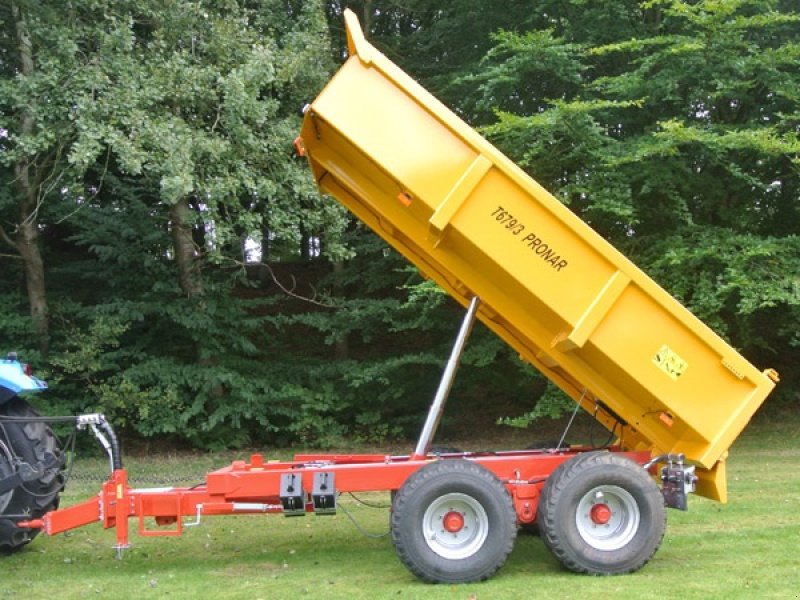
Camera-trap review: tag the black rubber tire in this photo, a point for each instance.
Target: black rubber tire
(436, 483)
(33, 443)
(641, 525)
(436, 451)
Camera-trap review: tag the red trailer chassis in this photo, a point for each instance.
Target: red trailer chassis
(454, 515)
(255, 487)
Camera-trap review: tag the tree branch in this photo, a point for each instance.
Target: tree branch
(6, 238)
(290, 292)
(283, 288)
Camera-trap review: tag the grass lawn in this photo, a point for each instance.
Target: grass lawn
(748, 548)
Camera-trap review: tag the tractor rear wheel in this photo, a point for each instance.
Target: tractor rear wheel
(31, 449)
(453, 521)
(602, 514)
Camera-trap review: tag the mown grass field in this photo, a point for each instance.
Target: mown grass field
(748, 548)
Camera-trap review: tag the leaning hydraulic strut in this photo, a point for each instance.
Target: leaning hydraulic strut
(446, 383)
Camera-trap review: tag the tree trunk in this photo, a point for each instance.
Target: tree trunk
(27, 243)
(27, 238)
(366, 17)
(341, 349)
(187, 260)
(185, 250)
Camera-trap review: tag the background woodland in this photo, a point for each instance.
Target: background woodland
(166, 259)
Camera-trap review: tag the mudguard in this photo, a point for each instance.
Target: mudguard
(15, 378)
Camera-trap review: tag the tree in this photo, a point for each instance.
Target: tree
(673, 131)
(35, 57)
(156, 138)
(174, 123)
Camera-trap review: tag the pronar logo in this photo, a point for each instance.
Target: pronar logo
(514, 227)
(668, 361)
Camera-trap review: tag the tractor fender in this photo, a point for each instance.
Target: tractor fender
(14, 379)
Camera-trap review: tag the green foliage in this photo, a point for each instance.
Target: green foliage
(671, 127)
(151, 103)
(673, 131)
(552, 404)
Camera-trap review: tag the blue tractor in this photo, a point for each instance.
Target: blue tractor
(31, 462)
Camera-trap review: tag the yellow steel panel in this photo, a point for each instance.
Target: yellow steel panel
(387, 132)
(597, 310)
(550, 287)
(456, 197)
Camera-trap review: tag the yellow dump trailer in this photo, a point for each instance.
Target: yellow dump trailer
(549, 286)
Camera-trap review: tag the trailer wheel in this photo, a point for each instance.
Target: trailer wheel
(453, 522)
(32, 444)
(602, 514)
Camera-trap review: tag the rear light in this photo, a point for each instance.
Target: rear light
(27, 370)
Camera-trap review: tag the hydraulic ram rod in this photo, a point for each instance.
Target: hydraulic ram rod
(446, 383)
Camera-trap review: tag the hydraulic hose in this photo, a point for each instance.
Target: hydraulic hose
(116, 452)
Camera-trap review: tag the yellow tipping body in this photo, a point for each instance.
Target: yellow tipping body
(552, 288)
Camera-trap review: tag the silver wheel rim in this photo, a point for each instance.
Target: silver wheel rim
(441, 538)
(615, 504)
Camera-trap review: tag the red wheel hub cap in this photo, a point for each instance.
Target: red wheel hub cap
(453, 522)
(600, 514)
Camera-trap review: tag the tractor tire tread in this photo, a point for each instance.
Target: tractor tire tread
(32, 442)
